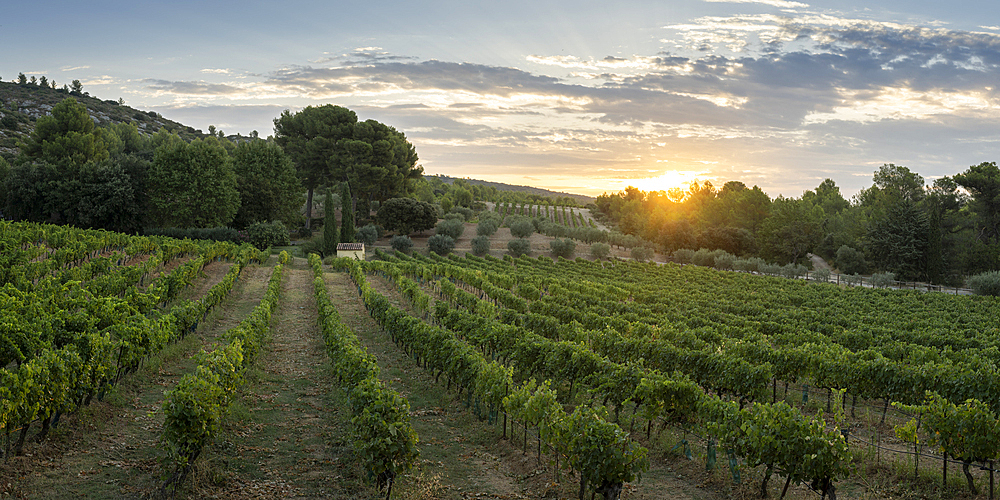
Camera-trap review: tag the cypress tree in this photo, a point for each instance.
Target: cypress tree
(330, 232)
(346, 215)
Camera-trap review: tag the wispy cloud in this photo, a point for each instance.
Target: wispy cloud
(782, 4)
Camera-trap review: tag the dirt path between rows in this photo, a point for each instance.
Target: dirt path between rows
(109, 449)
(290, 439)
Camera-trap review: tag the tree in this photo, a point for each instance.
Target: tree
(43, 82)
(792, 229)
(330, 234)
(76, 87)
(66, 137)
(314, 139)
(897, 243)
(346, 215)
(192, 185)
(21, 79)
(379, 164)
(406, 215)
(266, 182)
(983, 182)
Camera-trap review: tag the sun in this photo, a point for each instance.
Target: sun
(666, 181)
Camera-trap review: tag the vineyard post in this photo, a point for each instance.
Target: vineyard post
(991, 479)
(944, 470)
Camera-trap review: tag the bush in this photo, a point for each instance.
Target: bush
(821, 275)
(683, 255)
(450, 227)
(480, 245)
(454, 216)
(268, 234)
(195, 233)
(401, 243)
(486, 228)
(466, 213)
(883, 280)
(853, 279)
(703, 257)
(851, 261)
(600, 250)
(563, 248)
(519, 247)
(367, 235)
(522, 228)
(441, 244)
(751, 265)
(792, 271)
(987, 283)
(770, 269)
(641, 254)
(406, 215)
(724, 260)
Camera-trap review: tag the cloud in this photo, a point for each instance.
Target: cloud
(783, 4)
(193, 88)
(75, 68)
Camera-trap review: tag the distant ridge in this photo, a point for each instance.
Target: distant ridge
(580, 198)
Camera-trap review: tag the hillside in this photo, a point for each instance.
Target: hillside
(581, 199)
(21, 105)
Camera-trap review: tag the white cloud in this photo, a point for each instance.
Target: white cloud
(782, 4)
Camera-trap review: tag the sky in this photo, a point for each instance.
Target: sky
(577, 96)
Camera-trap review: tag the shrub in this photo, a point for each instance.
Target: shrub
(522, 228)
(641, 254)
(683, 255)
(770, 269)
(600, 250)
(883, 280)
(466, 213)
(724, 260)
(267, 234)
(452, 228)
(987, 283)
(454, 216)
(401, 243)
(367, 235)
(486, 227)
(563, 248)
(821, 275)
(441, 244)
(703, 257)
(853, 279)
(480, 245)
(519, 247)
(851, 261)
(792, 271)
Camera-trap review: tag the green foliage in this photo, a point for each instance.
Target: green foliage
(452, 228)
(481, 245)
(600, 250)
(518, 247)
(522, 228)
(441, 244)
(983, 181)
(401, 243)
(683, 256)
(406, 215)
(267, 185)
(67, 137)
(487, 227)
(268, 234)
(562, 248)
(883, 280)
(220, 233)
(641, 254)
(192, 185)
(368, 234)
(347, 228)
(331, 236)
(851, 261)
(987, 283)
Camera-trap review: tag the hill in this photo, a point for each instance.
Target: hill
(581, 199)
(22, 104)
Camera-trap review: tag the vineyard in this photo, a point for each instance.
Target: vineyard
(245, 375)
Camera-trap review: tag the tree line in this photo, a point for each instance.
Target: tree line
(70, 171)
(938, 232)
